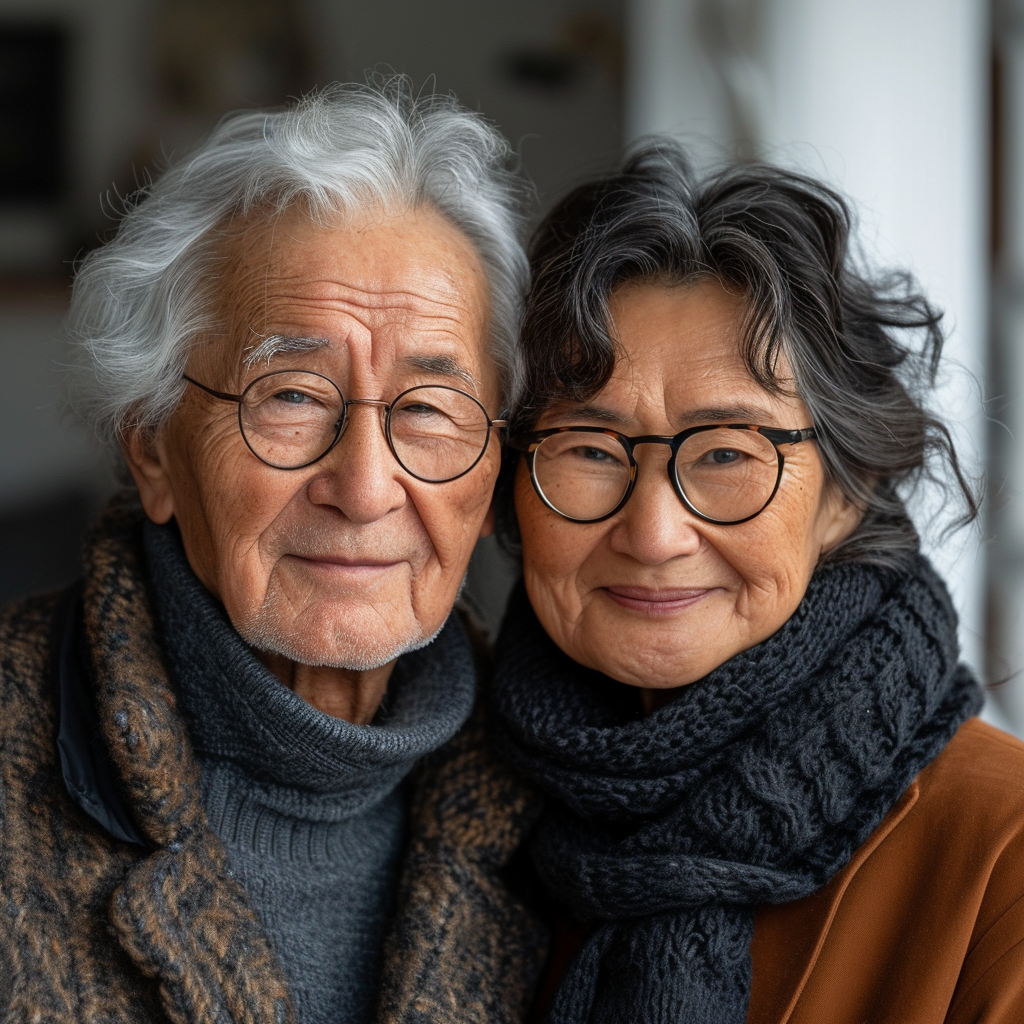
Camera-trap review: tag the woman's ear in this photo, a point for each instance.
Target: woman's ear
(839, 518)
(147, 462)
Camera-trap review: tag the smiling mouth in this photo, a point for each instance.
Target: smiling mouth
(656, 600)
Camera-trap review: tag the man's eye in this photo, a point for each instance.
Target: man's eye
(292, 397)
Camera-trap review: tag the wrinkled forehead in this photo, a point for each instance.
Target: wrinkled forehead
(380, 285)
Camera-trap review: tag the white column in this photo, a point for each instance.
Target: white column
(671, 83)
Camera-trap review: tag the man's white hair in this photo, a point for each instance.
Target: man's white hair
(140, 300)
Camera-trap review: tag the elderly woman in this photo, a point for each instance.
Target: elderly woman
(298, 340)
(730, 669)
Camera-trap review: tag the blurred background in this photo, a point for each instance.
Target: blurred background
(914, 108)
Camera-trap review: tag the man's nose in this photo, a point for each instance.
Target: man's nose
(655, 526)
(360, 476)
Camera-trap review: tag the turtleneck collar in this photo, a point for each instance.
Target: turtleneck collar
(304, 762)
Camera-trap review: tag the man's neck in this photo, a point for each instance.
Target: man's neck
(351, 694)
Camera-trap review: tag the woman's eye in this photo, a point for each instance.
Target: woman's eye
(590, 454)
(723, 456)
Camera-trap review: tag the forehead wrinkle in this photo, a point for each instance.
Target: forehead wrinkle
(332, 292)
(419, 319)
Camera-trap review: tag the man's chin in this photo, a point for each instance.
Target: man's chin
(352, 651)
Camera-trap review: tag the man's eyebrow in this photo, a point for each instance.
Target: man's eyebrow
(441, 366)
(284, 344)
(280, 344)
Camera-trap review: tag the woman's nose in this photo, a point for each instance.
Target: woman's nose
(360, 476)
(655, 526)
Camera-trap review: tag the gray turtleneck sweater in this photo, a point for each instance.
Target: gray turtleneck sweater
(309, 806)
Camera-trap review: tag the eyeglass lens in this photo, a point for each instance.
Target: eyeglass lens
(727, 475)
(291, 418)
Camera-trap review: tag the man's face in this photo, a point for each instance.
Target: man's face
(350, 561)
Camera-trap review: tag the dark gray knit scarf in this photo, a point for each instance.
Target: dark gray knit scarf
(755, 785)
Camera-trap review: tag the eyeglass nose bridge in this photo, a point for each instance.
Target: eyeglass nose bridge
(384, 408)
(379, 402)
(631, 444)
(673, 444)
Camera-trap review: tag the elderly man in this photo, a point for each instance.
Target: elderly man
(214, 803)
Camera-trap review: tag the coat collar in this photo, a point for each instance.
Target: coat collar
(86, 768)
(805, 925)
(179, 914)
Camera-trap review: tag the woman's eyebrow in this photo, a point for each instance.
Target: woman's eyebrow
(587, 412)
(746, 414)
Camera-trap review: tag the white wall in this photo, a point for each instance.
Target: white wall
(886, 99)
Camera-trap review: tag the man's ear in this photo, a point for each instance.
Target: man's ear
(147, 460)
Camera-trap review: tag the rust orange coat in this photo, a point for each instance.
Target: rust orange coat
(926, 923)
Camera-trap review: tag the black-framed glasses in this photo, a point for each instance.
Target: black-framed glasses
(723, 473)
(290, 419)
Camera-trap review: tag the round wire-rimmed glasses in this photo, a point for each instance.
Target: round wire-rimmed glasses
(723, 473)
(290, 419)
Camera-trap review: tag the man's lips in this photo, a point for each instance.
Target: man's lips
(350, 562)
(656, 600)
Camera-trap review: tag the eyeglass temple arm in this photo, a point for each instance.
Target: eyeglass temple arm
(227, 396)
(777, 436)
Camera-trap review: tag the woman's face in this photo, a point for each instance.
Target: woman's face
(654, 596)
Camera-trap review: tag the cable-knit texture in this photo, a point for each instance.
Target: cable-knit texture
(754, 785)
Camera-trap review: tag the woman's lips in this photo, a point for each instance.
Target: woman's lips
(656, 600)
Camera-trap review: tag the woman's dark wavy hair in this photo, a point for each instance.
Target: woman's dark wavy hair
(864, 350)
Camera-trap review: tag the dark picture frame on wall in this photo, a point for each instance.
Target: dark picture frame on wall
(34, 145)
